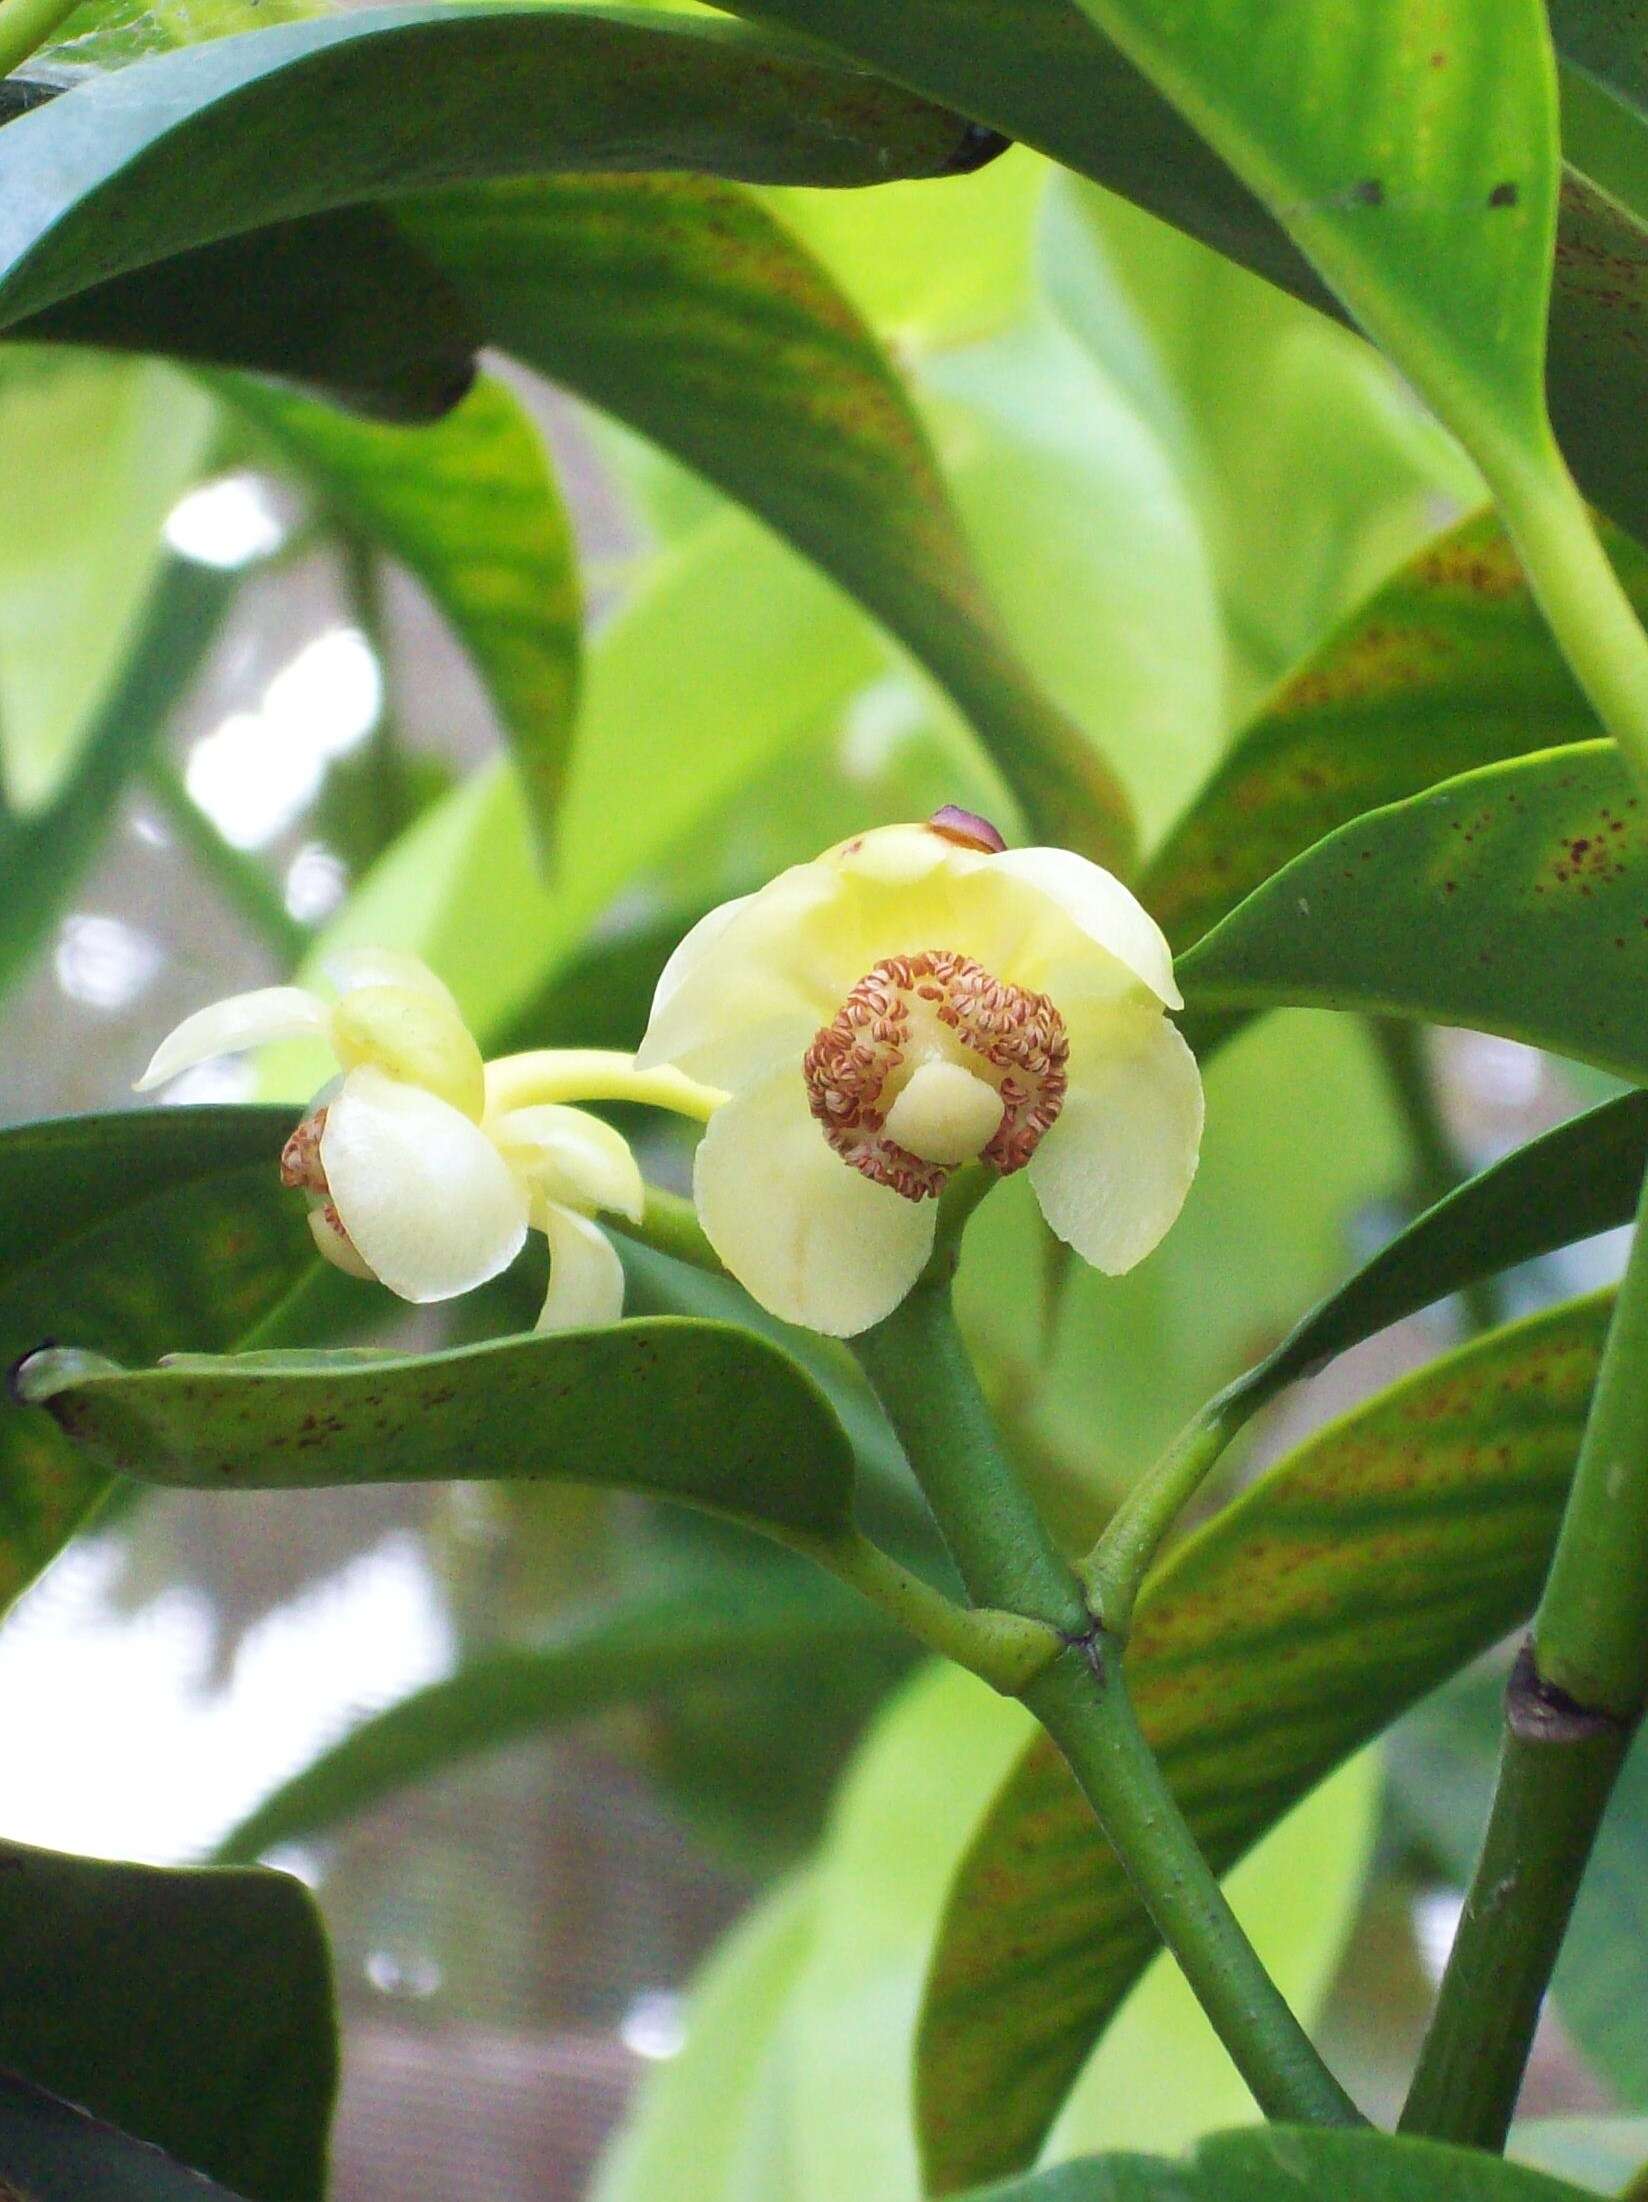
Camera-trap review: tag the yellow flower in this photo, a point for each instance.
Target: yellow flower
(426, 1168)
(912, 1000)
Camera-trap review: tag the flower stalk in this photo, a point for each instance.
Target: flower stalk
(921, 1371)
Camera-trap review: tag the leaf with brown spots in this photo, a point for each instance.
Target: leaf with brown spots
(1364, 1568)
(1513, 900)
(703, 1413)
(1449, 666)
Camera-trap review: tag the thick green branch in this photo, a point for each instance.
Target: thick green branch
(1574, 1704)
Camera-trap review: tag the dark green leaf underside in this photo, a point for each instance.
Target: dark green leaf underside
(52, 2152)
(192, 2009)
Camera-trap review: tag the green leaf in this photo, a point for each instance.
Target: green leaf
(129, 1232)
(1041, 71)
(93, 454)
(1443, 1761)
(1447, 667)
(66, 2156)
(1282, 2164)
(904, 1819)
(43, 857)
(681, 306)
(343, 301)
(1358, 1573)
(1581, 1178)
(1509, 899)
(707, 1620)
(192, 147)
(470, 506)
(1412, 152)
(696, 1411)
(191, 2008)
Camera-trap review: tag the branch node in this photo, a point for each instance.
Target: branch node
(1536, 1711)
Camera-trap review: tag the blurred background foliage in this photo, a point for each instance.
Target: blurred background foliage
(255, 689)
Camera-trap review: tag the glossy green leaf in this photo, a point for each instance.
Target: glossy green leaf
(680, 1410)
(131, 1233)
(195, 146)
(43, 857)
(1284, 2164)
(50, 2151)
(1412, 152)
(1443, 1762)
(680, 305)
(1509, 899)
(1582, 1178)
(471, 507)
(1358, 1573)
(707, 1620)
(93, 454)
(191, 2008)
(1447, 667)
(1042, 71)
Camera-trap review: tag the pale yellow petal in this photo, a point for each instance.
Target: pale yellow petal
(807, 1236)
(571, 1157)
(1097, 906)
(415, 1038)
(586, 1278)
(348, 968)
(229, 1027)
(748, 986)
(428, 1200)
(1112, 1174)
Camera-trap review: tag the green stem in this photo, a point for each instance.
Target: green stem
(1555, 1777)
(1083, 1704)
(25, 25)
(1569, 572)
(239, 878)
(1005, 1649)
(1574, 1704)
(1116, 1567)
(920, 1370)
(363, 581)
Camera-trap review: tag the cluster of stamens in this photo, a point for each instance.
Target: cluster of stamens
(854, 1059)
(302, 1169)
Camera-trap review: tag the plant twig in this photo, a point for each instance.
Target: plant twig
(921, 1371)
(1574, 1704)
